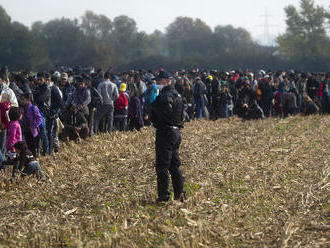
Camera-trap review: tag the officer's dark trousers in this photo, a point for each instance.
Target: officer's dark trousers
(168, 160)
(216, 107)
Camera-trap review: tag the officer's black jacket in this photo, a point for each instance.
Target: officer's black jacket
(216, 88)
(167, 109)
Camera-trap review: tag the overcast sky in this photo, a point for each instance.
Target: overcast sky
(158, 14)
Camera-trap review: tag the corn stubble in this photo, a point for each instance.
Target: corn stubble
(249, 184)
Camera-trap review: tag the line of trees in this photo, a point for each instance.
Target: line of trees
(186, 43)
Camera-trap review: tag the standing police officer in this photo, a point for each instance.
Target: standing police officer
(167, 118)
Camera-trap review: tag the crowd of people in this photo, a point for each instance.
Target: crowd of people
(37, 110)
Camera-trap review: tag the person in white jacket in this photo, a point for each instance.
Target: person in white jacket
(4, 88)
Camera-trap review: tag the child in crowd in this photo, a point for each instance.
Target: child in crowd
(121, 106)
(14, 133)
(24, 161)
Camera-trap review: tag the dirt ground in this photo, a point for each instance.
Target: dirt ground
(249, 184)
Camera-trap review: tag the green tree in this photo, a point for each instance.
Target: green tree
(97, 26)
(98, 50)
(5, 36)
(127, 42)
(305, 41)
(64, 39)
(232, 41)
(188, 38)
(156, 43)
(20, 46)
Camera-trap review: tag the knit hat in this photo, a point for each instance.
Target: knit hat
(122, 87)
(162, 74)
(56, 74)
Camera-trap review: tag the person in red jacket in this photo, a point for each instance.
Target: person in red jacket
(121, 109)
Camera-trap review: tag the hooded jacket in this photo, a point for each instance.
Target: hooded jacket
(4, 89)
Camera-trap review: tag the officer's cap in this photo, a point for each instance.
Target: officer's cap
(161, 75)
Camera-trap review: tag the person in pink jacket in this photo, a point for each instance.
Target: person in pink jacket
(4, 108)
(14, 132)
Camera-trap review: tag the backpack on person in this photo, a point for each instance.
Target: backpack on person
(96, 98)
(41, 114)
(122, 102)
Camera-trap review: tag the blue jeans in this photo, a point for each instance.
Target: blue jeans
(230, 110)
(3, 138)
(223, 110)
(42, 137)
(300, 103)
(33, 168)
(121, 124)
(50, 134)
(105, 110)
(266, 107)
(199, 107)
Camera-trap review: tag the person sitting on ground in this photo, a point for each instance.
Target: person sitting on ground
(24, 161)
(310, 107)
(254, 111)
(75, 125)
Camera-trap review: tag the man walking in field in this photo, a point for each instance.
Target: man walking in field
(167, 118)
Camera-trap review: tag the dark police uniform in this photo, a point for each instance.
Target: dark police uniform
(167, 118)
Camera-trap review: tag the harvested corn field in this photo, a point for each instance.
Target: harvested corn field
(249, 184)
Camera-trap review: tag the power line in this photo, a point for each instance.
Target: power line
(267, 38)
